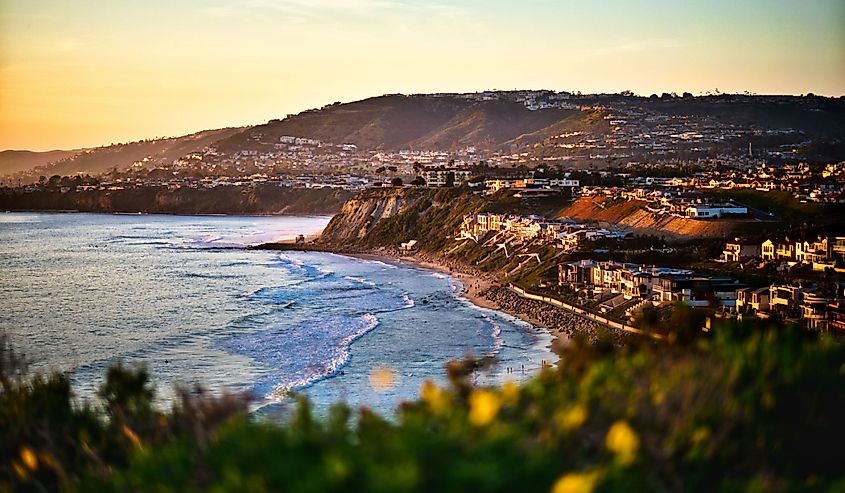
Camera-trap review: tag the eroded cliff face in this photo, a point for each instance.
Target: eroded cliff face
(633, 216)
(360, 214)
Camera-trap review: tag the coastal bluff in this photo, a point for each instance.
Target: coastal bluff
(386, 217)
(263, 199)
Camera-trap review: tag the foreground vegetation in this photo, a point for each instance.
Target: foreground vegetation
(741, 409)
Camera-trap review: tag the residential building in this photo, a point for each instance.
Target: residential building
(739, 250)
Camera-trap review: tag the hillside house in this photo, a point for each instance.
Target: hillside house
(739, 250)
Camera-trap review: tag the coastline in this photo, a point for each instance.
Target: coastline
(474, 286)
(483, 290)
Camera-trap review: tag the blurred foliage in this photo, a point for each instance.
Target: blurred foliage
(742, 408)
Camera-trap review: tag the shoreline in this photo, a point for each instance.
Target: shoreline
(483, 290)
(473, 286)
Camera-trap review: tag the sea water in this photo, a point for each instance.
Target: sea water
(180, 295)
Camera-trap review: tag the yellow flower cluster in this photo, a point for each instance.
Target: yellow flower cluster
(572, 418)
(623, 441)
(483, 407)
(434, 396)
(576, 482)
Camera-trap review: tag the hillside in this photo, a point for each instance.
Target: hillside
(593, 130)
(812, 116)
(101, 159)
(14, 161)
(407, 122)
(633, 216)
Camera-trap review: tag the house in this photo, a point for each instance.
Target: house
(699, 291)
(739, 250)
(767, 250)
(714, 211)
(835, 318)
(785, 297)
(576, 274)
(445, 177)
(812, 251)
(409, 246)
(752, 300)
(785, 250)
(814, 310)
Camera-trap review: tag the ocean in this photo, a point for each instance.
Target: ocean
(179, 294)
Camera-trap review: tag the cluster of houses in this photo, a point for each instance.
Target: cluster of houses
(528, 186)
(821, 252)
(613, 284)
(804, 182)
(563, 234)
(533, 187)
(630, 287)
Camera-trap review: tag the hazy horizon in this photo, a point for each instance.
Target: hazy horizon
(85, 75)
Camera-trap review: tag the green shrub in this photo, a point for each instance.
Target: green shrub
(745, 408)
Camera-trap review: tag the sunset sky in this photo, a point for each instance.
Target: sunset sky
(92, 72)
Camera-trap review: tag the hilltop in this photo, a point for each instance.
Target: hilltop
(408, 122)
(504, 128)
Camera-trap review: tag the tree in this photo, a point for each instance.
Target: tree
(418, 181)
(396, 182)
(450, 179)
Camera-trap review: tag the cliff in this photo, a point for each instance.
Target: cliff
(387, 217)
(264, 199)
(633, 216)
(390, 216)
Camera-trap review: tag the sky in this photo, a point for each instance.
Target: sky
(92, 72)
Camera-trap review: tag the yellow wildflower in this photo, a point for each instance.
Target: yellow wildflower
(483, 407)
(29, 458)
(572, 418)
(622, 440)
(575, 482)
(382, 379)
(434, 396)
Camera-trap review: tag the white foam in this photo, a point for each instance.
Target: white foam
(282, 391)
(409, 302)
